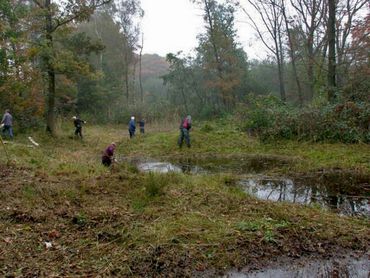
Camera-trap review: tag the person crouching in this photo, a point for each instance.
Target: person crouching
(108, 155)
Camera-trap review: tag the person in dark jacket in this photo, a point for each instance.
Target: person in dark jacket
(132, 127)
(185, 127)
(108, 155)
(141, 125)
(7, 123)
(78, 125)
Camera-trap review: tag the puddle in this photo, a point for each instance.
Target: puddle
(166, 167)
(210, 164)
(235, 164)
(345, 192)
(346, 201)
(347, 267)
(158, 167)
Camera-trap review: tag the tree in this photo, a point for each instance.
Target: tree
(346, 20)
(56, 15)
(20, 81)
(140, 68)
(309, 21)
(271, 16)
(126, 11)
(331, 56)
(357, 87)
(116, 63)
(221, 57)
(292, 56)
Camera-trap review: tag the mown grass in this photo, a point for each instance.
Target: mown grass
(104, 222)
(66, 154)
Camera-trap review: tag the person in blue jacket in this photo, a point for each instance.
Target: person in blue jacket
(7, 123)
(132, 127)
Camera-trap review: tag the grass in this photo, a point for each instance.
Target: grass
(228, 141)
(105, 222)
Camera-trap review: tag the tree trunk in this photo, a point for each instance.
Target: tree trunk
(140, 77)
(100, 38)
(50, 117)
(126, 76)
(310, 66)
(292, 58)
(184, 98)
(215, 50)
(279, 60)
(331, 55)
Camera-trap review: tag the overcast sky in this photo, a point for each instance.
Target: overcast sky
(173, 25)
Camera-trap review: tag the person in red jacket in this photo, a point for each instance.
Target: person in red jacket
(108, 155)
(185, 127)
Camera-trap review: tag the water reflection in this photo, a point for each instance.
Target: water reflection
(166, 167)
(344, 202)
(158, 167)
(238, 164)
(348, 267)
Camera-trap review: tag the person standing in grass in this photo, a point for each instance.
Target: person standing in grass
(108, 155)
(185, 127)
(7, 123)
(78, 125)
(132, 127)
(141, 125)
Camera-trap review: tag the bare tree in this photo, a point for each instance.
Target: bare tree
(347, 12)
(270, 13)
(310, 22)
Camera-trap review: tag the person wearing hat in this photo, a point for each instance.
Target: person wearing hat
(78, 125)
(132, 127)
(7, 124)
(108, 155)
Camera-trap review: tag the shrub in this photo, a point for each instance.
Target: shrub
(155, 184)
(346, 122)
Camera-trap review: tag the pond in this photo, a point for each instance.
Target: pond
(344, 200)
(344, 192)
(237, 163)
(166, 167)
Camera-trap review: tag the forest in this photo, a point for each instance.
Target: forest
(275, 170)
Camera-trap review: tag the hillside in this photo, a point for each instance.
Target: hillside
(153, 65)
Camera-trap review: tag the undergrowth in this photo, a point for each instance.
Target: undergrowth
(271, 119)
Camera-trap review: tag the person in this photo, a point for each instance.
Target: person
(141, 125)
(78, 125)
(132, 127)
(108, 155)
(185, 127)
(7, 123)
